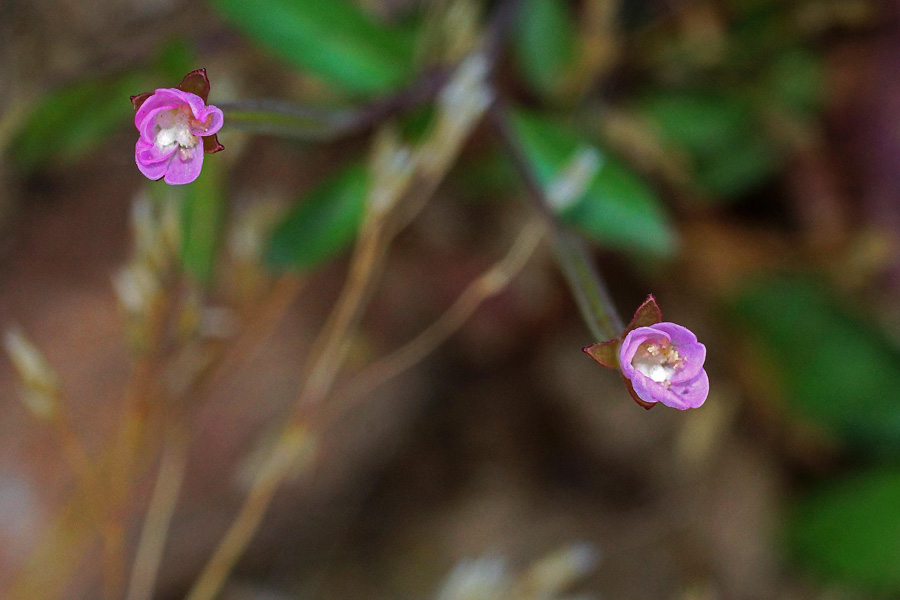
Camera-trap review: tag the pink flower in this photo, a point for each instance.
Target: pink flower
(664, 363)
(176, 128)
(660, 362)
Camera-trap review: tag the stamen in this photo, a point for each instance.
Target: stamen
(174, 128)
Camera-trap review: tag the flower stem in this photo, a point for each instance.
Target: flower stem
(288, 119)
(590, 292)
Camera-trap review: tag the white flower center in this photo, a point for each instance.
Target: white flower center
(659, 362)
(173, 127)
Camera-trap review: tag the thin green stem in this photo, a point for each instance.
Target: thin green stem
(590, 292)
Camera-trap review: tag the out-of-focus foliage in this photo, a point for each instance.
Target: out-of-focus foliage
(545, 42)
(850, 530)
(332, 39)
(70, 121)
(323, 222)
(719, 132)
(796, 82)
(75, 119)
(203, 212)
(617, 209)
(836, 372)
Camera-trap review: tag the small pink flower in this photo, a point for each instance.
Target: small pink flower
(664, 363)
(176, 128)
(660, 362)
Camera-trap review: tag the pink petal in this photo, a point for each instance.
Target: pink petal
(185, 165)
(694, 356)
(633, 341)
(146, 126)
(152, 168)
(678, 334)
(212, 119)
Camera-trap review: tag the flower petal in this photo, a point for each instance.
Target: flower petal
(147, 126)
(185, 165)
(650, 391)
(633, 341)
(693, 393)
(210, 119)
(678, 334)
(152, 168)
(694, 355)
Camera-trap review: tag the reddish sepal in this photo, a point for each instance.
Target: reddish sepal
(138, 100)
(196, 82)
(646, 315)
(605, 354)
(211, 144)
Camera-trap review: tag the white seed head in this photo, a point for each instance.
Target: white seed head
(40, 385)
(481, 579)
(137, 288)
(558, 570)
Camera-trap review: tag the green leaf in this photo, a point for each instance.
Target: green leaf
(836, 372)
(203, 212)
(617, 209)
(323, 223)
(850, 531)
(70, 121)
(720, 133)
(174, 59)
(545, 41)
(333, 39)
(797, 82)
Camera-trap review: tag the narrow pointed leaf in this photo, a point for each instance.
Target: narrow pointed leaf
(545, 42)
(617, 209)
(333, 39)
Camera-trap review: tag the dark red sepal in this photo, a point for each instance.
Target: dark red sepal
(635, 397)
(646, 315)
(196, 82)
(138, 100)
(211, 144)
(605, 354)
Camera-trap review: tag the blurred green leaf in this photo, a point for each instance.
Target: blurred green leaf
(837, 373)
(545, 41)
(618, 209)
(72, 120)
(323, 223)
(797, 81)
(174, 60)
(333, 39)
(203, 211)
(720, 133)
(850, 531)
